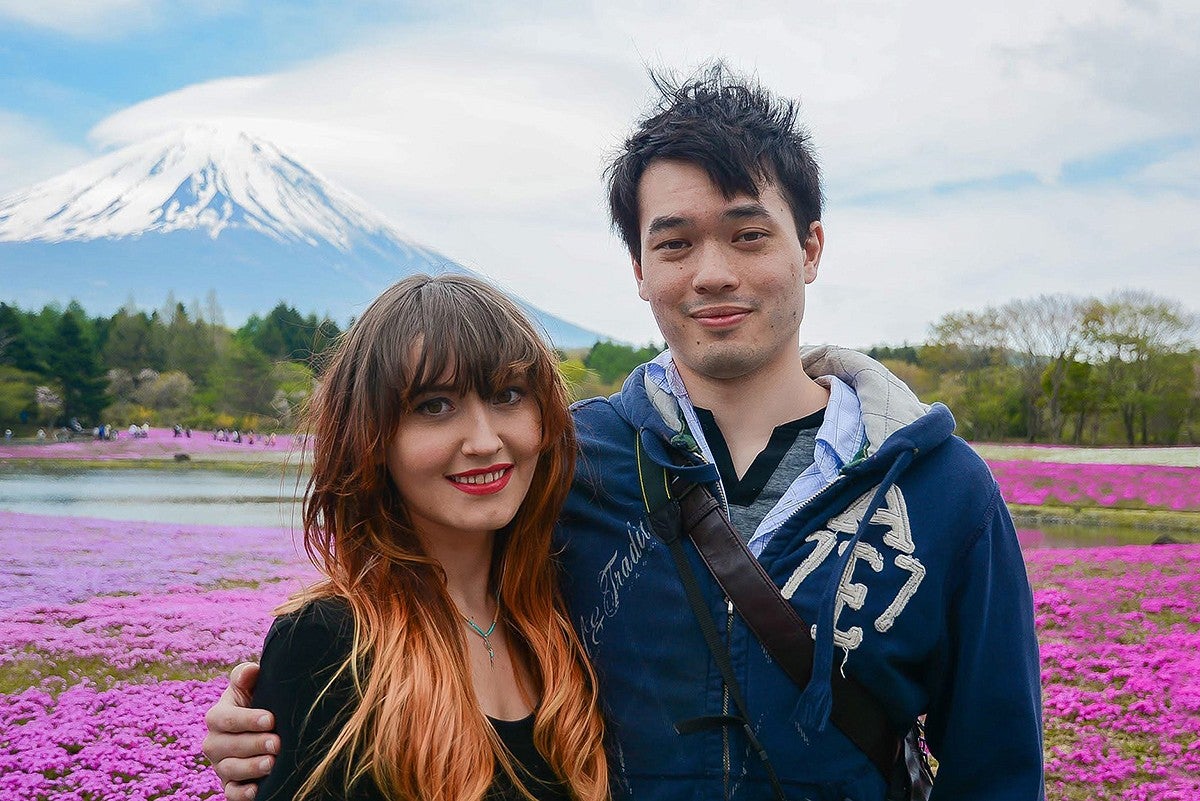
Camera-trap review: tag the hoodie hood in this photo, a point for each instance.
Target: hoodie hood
(894, 419)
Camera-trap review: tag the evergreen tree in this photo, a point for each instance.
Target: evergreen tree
(14, 342)
(74, 362)
(128, 345)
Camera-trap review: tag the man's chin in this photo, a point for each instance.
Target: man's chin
(726, 363)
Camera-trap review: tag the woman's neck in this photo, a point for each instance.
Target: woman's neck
(467, 563)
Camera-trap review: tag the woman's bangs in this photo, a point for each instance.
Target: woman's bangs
(469, 347)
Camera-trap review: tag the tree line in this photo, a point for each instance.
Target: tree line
(175, 365)
(1123, 369)
(1119, 370)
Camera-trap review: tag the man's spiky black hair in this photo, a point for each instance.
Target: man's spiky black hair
(740, 134)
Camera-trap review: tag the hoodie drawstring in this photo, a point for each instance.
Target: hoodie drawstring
(816, 702)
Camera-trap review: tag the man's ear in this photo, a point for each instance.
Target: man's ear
(637, 274)
(814, 246)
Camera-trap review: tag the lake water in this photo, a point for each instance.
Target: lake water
(186, 495)
(267, 497)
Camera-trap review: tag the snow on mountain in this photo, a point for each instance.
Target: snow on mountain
(198, 178)
(208, 208)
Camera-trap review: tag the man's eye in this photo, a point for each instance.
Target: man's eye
(434, 407)
(751, 236)
(673, 244)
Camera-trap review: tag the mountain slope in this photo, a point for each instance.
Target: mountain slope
(207, 209)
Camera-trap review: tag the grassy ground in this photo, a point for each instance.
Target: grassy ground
(1167, 457)
(1183, 526)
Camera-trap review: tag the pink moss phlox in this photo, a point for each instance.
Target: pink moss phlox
(185, 626)
(1120, 647)
(161, 444)
(1131, 486)
(138, 741)
(59, 559)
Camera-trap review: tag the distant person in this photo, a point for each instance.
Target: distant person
(41, 435)
(435, 660)
(876, 526)
(8, 435)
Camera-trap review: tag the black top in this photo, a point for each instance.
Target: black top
(745, 490)
(302, 651)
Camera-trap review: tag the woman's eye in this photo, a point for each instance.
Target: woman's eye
(434, 407)
(509, 396)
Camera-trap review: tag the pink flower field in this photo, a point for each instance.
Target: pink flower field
(160, 444)
(117, 636)
(1108, 485)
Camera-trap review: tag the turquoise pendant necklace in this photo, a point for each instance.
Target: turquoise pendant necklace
(486, 635)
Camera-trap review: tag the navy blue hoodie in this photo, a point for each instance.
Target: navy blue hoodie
(927, 604)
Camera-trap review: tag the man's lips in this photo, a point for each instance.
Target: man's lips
(720, 316)
(482, 481)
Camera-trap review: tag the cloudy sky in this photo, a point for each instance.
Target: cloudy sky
(971, 156)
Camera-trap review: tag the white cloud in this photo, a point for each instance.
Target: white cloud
(102, 19)
(485, 136)
(904, 268)
(94, 19)
(30, 152)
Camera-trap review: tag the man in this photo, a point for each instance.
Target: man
(879, 526)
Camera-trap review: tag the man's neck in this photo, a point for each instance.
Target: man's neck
(748, 408)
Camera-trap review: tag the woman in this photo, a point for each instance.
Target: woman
(435, 659)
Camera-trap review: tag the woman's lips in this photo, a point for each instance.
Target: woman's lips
(486, 481)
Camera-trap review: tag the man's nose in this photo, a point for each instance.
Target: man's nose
(714, 273)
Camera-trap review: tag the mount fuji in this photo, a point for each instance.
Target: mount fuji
(208, 209)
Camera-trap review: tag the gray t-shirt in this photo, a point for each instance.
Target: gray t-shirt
(789, 453)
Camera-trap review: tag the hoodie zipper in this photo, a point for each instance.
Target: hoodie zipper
(725, 699)
(725, 752)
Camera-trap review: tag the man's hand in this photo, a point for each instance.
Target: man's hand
(240, 742)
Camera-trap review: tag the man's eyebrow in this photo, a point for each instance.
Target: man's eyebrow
(666, 223)
(746, 211)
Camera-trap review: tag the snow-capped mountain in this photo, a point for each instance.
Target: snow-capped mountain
(203, 209)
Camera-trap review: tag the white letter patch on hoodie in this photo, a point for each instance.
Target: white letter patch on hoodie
(893, 514)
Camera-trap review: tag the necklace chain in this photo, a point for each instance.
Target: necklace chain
(486, 635)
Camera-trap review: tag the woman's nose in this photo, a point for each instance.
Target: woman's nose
(482, 436)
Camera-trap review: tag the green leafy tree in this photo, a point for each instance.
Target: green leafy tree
(240, 382)
(1132, 337)
(612, 362)
(18, 396)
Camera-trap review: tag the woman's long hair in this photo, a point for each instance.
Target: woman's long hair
(417, 730)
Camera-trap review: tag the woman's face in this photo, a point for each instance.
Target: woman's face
(463, 463)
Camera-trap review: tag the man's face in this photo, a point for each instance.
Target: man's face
(724, 277)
